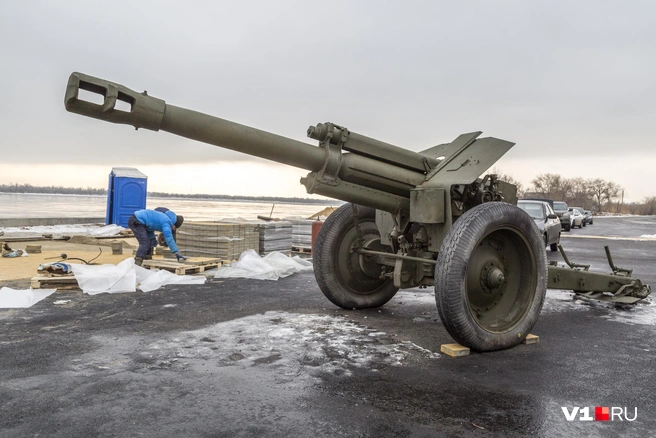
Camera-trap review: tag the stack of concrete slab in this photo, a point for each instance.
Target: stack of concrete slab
(275, 236)
(222, 240)
(301, 233)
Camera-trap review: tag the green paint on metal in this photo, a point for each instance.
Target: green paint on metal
(419, 198)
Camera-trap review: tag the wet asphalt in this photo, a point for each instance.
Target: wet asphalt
(248, 358)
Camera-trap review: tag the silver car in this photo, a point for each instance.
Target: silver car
(577, 217)
(546, 220)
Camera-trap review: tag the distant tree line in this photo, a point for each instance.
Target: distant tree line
(595, 194)
(59, 190)
(592, 194)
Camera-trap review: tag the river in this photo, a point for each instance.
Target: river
(13, 205)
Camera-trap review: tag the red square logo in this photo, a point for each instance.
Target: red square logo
(602, 413)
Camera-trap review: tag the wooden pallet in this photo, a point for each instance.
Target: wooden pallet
(55, 282)
(192, 265)
(301, 250)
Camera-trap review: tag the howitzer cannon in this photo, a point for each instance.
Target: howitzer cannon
(412, 219)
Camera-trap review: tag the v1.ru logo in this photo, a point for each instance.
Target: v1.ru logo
(602, 413)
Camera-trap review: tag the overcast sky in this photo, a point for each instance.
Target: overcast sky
(572, 83)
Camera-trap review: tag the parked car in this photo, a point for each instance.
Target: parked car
(562, 211)
(577, 217)
(546, 220)
(587, 217)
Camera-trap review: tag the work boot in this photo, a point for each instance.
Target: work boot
(138, 261)
(148, 257)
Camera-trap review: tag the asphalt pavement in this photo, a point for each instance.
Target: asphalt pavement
(248, 358)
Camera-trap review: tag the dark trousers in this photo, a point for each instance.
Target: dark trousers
(140, 231)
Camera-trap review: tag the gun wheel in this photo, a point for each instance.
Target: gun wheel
(348, 279)
(491, 277)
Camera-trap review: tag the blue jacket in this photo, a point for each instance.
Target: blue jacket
(158, 221)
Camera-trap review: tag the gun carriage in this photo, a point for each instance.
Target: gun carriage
(412, 219)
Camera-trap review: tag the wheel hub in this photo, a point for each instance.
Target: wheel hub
(369, 263)
(492, 277)
(499, 279)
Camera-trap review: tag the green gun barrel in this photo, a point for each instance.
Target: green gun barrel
(375, 171)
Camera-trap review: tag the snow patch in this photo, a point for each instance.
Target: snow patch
(288, 344)
(422, 297)
(293, 343)
(557, 301)
(641, 313)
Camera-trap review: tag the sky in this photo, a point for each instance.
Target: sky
(573, 84)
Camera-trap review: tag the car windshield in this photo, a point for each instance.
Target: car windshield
(581, 210)
(533, 210)
(560, 206)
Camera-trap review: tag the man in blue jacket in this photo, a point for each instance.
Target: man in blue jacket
(144, 223)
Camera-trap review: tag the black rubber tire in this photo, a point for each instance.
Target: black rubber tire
(514, 236)
(554, 246)
(583, 223)
(338, 271)
(568, 228)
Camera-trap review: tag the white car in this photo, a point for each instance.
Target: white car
(577, 217)
(546, 220)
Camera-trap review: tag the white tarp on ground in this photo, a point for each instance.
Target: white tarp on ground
(95, 279)
(106, 231)
(60, 230)
(149, 280)
(15, 298)
(126, 277)
(273, 266)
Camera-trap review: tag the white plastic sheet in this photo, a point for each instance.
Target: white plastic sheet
(20, 299)
(106, 231)
(126, 277)
(94, 279)
(272, 267)
(60, 230)
(150, 280)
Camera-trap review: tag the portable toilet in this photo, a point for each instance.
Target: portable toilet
(126, 194)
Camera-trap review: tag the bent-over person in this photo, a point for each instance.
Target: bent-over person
(144, 223)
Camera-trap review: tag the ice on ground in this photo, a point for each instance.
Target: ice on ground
(295, 342)
(291, 345)
(641, 313)
(557, 301)
(422, 297)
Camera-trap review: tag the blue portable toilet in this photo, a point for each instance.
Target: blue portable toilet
(126, 194)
